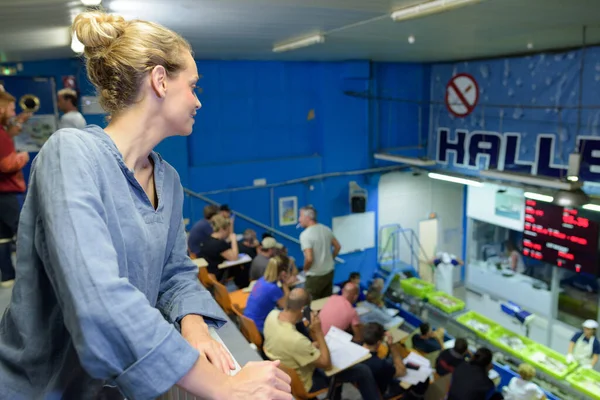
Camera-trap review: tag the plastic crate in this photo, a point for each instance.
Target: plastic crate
(530, 355)
(473, 316)
(587, 381)
(500, 331)
(416, 287)
(437, 299)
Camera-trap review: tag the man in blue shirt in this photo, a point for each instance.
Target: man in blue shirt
(201, 229)
(429, 340)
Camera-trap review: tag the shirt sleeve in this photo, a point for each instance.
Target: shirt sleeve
(305, 353)
(596, 347)
(576, 337)
(355, 317)
(180, 292)
(305, 241)
(117, 334)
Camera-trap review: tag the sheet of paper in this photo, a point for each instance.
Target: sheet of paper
(417, 359)
(414, 377)
(343, 352)
(242, 259)
(336, 333)
(392, 312)
(249, 288)
(394, 323)
(216, 336)
(362, 310)
(300, 278)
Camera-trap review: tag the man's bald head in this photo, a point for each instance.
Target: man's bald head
(297, 300)
(350, 292)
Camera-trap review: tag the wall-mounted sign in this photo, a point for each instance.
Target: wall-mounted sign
(462, 95)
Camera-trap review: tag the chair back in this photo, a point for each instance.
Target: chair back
(298, 390)
(439, 388)
(222, 297)
(248, 328)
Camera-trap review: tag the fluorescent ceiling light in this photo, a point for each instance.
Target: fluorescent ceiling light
(538, 196)
(428, 8)
(592, 207)
(91, 3)
(296, 44)
(418, 162)
(541, 181)
(454, 179)
(76, 45)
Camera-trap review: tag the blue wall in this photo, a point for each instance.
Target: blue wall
(282, 121)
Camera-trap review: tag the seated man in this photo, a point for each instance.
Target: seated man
(383, 370)
(449, 359)
(429, 340)
(354, 278)
(375, 292)
(266, 250)
(283, 342)
(339, 311)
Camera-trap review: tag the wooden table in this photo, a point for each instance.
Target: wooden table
(239, 298)
(317, 305)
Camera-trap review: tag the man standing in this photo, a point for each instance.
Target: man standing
(317, 241)
(67, 103)
(12, 183)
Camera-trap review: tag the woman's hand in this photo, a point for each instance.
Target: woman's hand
(259, 381)
(195, 331)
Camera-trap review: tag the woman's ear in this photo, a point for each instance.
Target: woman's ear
(158, 81)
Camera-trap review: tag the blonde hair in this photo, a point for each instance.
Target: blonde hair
(276, 266)
(6, 98)
(526, 371)
(219, 222)
(120, 53)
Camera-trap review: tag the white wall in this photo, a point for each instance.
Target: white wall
(484, 204)
(406, 199)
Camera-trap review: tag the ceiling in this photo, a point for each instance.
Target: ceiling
(354, 29)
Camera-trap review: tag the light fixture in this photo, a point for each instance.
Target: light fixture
(76, 45)
(454, 179)
(541, 181)
(591, 207)
(538, 196)
(530, 45)
(411, 39)
(571, 198)
(573, 168)
(428, 8)
(416, 161)
(296, 44)
(91, 3)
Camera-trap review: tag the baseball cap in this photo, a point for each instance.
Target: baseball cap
(590, 324)
(270, 243)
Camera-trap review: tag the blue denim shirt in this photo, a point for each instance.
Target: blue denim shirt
(102, 278)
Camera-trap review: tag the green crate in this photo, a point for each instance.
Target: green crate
(529, 355)
(500, 331)
(472, 315)
(437, 299)
(416, 287)
(583, 379)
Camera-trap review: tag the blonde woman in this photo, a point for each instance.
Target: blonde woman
(270, 291)
(106, 303)
(215, 250)
(522, 388)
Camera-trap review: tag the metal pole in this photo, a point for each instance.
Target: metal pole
(554, 289)
(272, 207)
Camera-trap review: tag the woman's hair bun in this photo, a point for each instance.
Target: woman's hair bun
(96, 29)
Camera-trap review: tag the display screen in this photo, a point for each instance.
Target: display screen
(560, 236)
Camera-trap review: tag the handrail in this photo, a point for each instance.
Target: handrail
(249, 219)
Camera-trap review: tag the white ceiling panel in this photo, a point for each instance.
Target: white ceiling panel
(354, 29)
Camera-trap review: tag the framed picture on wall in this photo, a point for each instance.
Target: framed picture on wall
(288, 211)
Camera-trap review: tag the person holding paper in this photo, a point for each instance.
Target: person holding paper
(283, 342)
(106, 302)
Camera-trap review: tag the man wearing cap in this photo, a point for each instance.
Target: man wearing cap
(265, 251)
(584, 347)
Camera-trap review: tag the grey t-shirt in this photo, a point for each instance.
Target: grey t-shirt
(72, 119)
(258, 267)
(318, 238)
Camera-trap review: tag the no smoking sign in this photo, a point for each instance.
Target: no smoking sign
(462, 95)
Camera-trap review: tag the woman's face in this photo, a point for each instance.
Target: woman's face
(181, 102)
(588, 333)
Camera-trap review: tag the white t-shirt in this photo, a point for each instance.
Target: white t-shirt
(318, 238)
(72, 119)
(519, 389)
